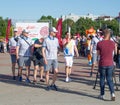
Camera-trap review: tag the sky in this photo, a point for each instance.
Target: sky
(34, 9)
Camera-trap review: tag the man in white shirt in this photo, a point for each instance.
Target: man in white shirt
(49, 51)
(69, 48)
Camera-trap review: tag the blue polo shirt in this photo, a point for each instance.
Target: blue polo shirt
(51, 45)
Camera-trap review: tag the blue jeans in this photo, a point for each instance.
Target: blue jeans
(106, 72)
(119, 60)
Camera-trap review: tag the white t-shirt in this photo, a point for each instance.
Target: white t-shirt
(69, 48)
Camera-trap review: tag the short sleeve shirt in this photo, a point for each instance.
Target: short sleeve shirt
(38, 51)
(106, 48)
(12, 44)
(51, 45)
(94, 42)
(69, 48)
(24, 47)
(13, 41)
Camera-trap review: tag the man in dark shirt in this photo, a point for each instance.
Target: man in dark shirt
(105, 49)
(38, 59)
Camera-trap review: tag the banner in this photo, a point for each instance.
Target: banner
(59, 33)
(8, 30)
(35, 29)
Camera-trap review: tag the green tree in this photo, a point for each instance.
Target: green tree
(83, 24)
(3, 26)
(52, 20)
(111, 24)
(68, 23)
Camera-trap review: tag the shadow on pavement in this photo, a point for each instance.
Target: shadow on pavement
(8, 79)
(77, 93)
(77, 78)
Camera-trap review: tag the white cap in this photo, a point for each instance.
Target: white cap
(25, 31)
(15, 30)
(53, 29)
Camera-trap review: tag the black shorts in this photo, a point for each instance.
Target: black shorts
(39, 62)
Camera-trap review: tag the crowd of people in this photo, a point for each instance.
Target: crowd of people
(3, 46)
(99, 47)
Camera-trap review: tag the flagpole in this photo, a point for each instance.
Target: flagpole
(69, 30)
(66, 24)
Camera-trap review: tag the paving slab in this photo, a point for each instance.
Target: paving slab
(78, 92)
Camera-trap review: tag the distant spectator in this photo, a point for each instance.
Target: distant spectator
(12, 47)
(83, 46)
(93, 51)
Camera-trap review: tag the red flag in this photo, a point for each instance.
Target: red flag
(8, 30)
(59, 33)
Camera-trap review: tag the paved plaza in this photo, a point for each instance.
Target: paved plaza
(78, 92)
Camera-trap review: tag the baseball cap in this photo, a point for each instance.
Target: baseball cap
(25, 31)
(53, 29)
(15, 30)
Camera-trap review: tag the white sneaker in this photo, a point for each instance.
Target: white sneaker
(102, 97)
(67, 79)
(70, 79)
(113, 97)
